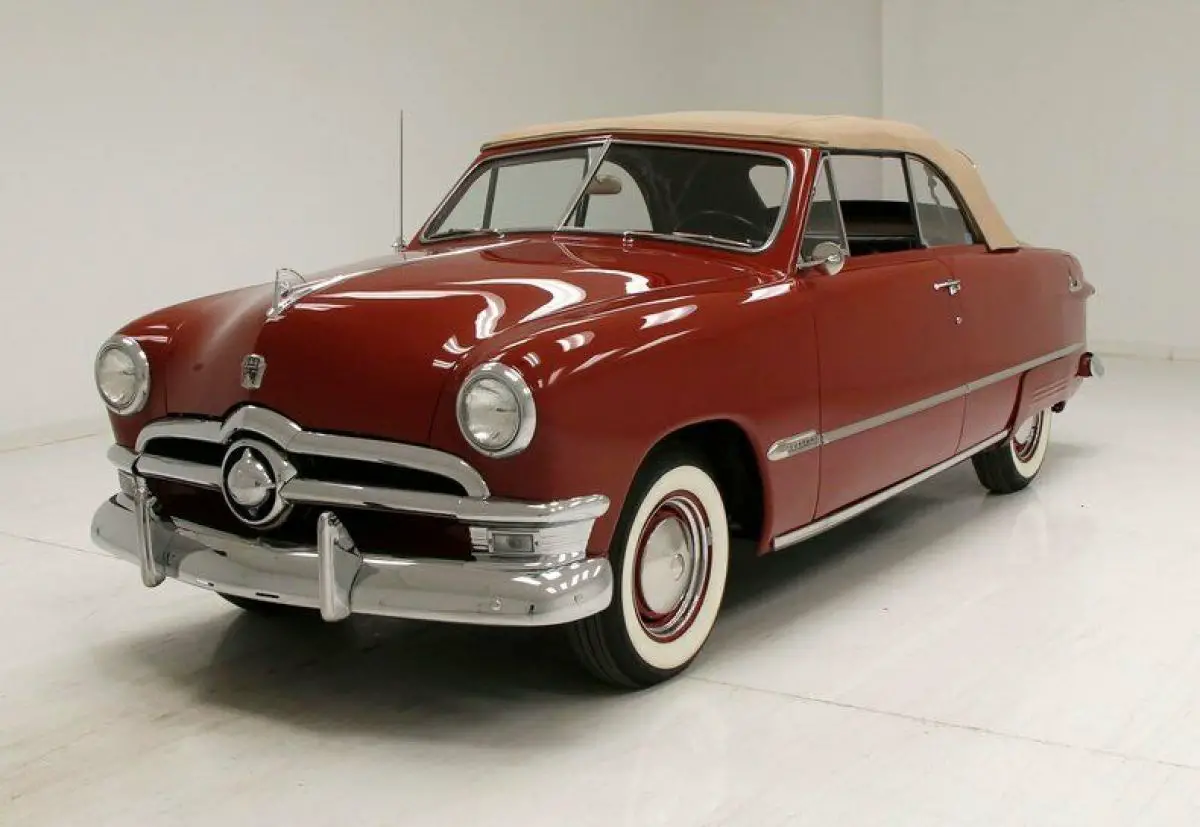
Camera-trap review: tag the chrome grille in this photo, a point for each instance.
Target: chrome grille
(396, 498)
(182, 460)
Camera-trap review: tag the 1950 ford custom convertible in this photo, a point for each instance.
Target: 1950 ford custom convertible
(614, 346)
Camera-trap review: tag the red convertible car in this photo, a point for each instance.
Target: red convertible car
(616, 345)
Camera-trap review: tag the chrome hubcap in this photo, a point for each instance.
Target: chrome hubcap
(1026, 437)
(671, 570)
(665, 563)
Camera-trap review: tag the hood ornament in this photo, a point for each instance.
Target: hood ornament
(254, 367)
(287, 283)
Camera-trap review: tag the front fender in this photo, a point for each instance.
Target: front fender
(611, 386)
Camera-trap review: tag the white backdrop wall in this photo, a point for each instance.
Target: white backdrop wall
(813, 56)
(154, 151)
(157, 151)
(1083, 117)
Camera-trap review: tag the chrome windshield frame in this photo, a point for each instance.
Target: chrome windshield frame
(605, 143)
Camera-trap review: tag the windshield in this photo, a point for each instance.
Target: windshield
(694, 194)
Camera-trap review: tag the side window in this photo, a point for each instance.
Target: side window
(943, 222)
(615, 201)
(824, 222)
(873, 194)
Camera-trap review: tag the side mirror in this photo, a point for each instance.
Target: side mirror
(828, 256)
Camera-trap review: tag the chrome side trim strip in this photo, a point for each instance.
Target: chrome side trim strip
(800, 442)
(892, 415)
(790, 446)
(1000, 376)
(851, 511)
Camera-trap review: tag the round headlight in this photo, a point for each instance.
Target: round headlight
(496, 413)
(123, 375)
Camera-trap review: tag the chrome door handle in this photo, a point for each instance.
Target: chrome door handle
(950, 285)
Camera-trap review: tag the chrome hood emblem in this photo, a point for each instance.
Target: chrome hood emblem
(254, 367)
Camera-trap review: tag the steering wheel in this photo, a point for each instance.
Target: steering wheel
(720, 224)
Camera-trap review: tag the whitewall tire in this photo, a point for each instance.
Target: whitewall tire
(670, 555)
(1011, 465)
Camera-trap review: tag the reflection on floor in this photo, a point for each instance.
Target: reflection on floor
(951, 658)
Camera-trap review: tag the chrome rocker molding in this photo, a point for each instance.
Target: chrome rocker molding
(850, 512)
(794, 445)
(530, 565)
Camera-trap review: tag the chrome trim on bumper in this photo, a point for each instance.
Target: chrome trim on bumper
(463, 509)
(122, 458)
(178, 470)
(335, 578)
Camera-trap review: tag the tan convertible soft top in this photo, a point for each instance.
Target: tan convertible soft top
(832, 131)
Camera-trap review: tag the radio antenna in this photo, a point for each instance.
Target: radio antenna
(399, 244)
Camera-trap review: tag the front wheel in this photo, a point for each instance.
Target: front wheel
(670, 555)
(1011, 465)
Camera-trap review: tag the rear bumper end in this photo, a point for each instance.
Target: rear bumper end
(333, 576)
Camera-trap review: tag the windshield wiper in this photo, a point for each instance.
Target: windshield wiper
(716, 239)
(463, 232)
(678, 235)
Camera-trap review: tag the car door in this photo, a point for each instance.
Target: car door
(1014, 305)
(888, 334)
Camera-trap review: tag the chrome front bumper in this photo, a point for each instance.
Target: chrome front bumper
(529, 563)
(334, 577)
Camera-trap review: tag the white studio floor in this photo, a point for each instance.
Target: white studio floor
(949, 659)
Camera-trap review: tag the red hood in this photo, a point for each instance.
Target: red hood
(369, 350)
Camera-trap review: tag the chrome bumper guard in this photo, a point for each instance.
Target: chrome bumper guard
(529, 569)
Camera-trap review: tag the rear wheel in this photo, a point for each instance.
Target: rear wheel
(1011, 465)
(670, 558)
